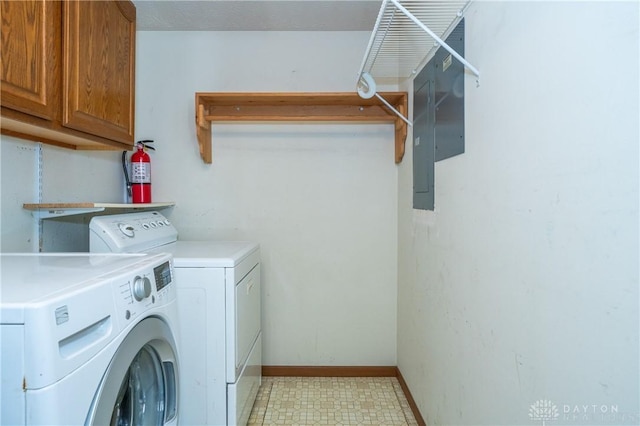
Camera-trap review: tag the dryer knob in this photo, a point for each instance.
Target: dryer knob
(141, 288)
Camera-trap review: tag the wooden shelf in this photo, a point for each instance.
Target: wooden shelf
(327, 107)
(49, 210)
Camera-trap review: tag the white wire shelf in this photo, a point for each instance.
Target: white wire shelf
(407, 32)
(403, 38)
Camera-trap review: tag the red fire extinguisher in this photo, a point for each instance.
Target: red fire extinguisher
(139, 187)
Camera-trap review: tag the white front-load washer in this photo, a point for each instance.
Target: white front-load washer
(88, 339)
(219, 303)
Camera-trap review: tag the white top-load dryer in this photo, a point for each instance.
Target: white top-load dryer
(219, 301)
(88, 339)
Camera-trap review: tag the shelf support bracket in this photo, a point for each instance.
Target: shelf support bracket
(203, 133)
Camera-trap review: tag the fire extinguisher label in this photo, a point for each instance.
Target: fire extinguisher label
(140, 172)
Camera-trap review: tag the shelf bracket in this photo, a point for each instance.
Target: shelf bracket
(203, 130)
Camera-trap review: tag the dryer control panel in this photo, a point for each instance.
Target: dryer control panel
(130, 232)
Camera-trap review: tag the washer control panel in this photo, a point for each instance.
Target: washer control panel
(146, 288)
(130, 232)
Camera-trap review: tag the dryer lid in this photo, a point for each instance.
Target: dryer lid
(208, 254)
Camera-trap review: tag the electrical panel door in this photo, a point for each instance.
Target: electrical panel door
(438, 117)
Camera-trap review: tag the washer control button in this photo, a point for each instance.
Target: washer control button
(126, 229)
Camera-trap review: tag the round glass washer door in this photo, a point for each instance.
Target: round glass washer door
(141, 399)
(140, 385)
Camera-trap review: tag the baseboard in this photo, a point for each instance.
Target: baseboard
(348, 371)
(322, 371)
(410, 400)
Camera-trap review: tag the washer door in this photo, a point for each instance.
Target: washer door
(140, 384)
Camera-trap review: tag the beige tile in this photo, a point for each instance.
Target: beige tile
(331, 401)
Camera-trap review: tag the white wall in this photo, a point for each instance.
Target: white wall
(321, 199)
(522, 285)
(66, 176)
(19, 180)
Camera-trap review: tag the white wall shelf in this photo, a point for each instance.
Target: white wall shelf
(403, 38)
(51, 210)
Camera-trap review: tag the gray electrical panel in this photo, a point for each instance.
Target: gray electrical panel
(438, 117)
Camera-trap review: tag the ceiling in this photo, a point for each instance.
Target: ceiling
(256, 15)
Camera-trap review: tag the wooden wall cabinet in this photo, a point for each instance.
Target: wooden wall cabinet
(31, 57)
(68, 72)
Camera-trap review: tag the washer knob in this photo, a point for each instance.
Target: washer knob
(141, 288)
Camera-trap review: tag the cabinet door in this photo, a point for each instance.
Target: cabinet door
(98, 68)
(30, 56)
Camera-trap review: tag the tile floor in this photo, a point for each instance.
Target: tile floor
(331, 401)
